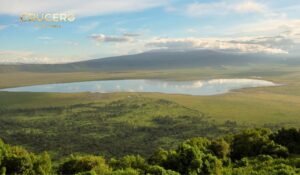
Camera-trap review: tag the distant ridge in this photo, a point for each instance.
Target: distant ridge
(155, 60)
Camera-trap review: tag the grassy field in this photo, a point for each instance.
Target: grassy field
(113, 128)
(14, 79)
(118, 123)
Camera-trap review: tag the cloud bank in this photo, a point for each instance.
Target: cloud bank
(107, 38)
(199, 43)
(224, 7)
(26, 57)
(79, 7)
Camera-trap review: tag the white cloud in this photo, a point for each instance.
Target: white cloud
(224, 7)
(13, 56)
(203, 9)
(106, 38)
(15, 53)
(9, 56)
(269, 27)
(200, 43)
(249, 6)
(280, 33)
(79, 7)
(131, 34)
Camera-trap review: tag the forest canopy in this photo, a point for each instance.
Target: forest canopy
(252, 151)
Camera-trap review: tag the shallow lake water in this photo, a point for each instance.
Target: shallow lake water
(201, 87)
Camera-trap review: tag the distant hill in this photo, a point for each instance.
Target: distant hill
(155, 60)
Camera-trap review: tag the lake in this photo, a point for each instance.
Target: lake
(201, 87)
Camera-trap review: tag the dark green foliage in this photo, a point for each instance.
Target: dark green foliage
(84, 164)
(158, 170)
(139, 164)
(220, 148)
(17, 160)
(128, 171)
(211, 165)
(129, 162)
(131, 125)
(191, 157)
(159, 157)
(253, 153)
(188, 159)
(255, 142)
(289, 138)
(42, 164)
(261, 165)
(200, 143)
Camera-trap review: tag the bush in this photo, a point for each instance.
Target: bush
(158, 170)
(80, 164)
(42, 164)
(129, 161)
(289, 138)
(128, 171)
(17, 160)
(255, 142)
(190, 157)
(220, 148)
(211, 165)
(254, 151)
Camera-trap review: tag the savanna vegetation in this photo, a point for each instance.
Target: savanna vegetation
(252, 151)
(151, 133)
(132, 124)
(110, 124)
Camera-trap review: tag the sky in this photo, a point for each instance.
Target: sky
(105, 28)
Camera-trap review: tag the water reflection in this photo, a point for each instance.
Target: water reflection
(208, 87)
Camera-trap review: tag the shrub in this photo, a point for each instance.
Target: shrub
(80, 164)
(158, 170)
(289, 138)
(255, 142)
(17, 160)
(220, 148)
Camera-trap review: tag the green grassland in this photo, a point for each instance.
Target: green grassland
(15, 78)
(124, 123)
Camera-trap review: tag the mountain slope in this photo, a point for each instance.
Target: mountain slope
(154, 60)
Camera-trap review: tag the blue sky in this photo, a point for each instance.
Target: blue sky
(117, 27)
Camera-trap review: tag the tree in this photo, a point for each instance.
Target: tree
(129, 161)
(128, 171)
(289, 138)
(200, 143)
(80, 164)
(220, 148)
(159, 157)
(158, 170)
(254, 142)
(211, 165)
(190, 157)
(42, 164)
(17, 161)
